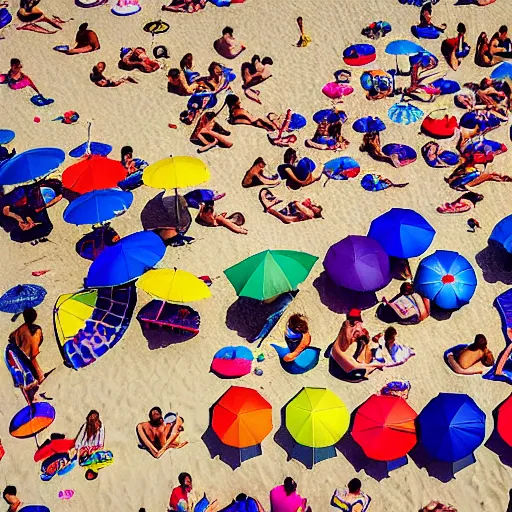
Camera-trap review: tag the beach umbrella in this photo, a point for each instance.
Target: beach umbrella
(384, 427)
(21, 297)
(504, 421)
(297, 122)
(316, 418)
(502, 72)
(270, 273)
(231, 362)
(31, 420)
(166, 212)
(93, 173)
(98, 206)
(341, 168)
(173, 285)
(358, 263)
(242, 417)
(90, 148)
(6, 136)
(30, 165)
(176, 172)
(403, 47)
(404, 113)
(402, 233)
(447, 279)
(336, 90)
(451, 427)
(125, 261)
(369, 124)
(502, 233)
(330, 115)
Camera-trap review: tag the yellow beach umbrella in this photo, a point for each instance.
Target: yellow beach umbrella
(173, 285)
(176, 172)
(317, 418)
(70, 313)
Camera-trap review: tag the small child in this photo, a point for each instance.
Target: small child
(297, 336)
(304, 39)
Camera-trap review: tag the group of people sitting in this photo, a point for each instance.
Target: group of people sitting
(490, 52)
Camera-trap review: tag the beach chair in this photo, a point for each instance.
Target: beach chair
(179, 319)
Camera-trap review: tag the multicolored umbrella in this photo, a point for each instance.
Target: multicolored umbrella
(270, 273)
(71, 312)
(231, 362)
(21, 297)
(504, 422)
(242, 417)
(405, 113)
(502, 233)
(176, 172)
(369, 124)
(447, 279)
(403, 233)
(358, 263)
(31, 420)
(384, 427)
(451, 427)
(341, 168)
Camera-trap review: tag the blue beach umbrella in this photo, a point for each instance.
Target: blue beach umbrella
(447, 279)
(369, 124)
(30, 165)
(403, 47)
(6, 136)
(451, 427)
(502, 72)
(329, 115)
(404, 113)
(341, 168)
(125, 261)
(98, 206)
(21, 297)
(502, 233)
(297, 122)
(91, 148)
(403, 233)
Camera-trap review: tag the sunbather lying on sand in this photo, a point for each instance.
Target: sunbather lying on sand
(157, 436)
(469, 176)
(137, 58)
(255, 73)
(256, 175)
(184, 6)
(463, 204)
(473, 359)
(294, 211)
(31, 16)
(371, 145)
(238, 115)
(208, 217)
(328, 136)
(98, 78)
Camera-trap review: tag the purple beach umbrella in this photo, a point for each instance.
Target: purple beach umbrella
(358, 263)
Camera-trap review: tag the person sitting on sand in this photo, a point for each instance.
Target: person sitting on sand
(255, 73)
(86, 41)
(216, 79)
(183, 498)
(463, 204)
(296, 176)
(98, 78)
(483, 56)
(294, 211)
(227, 46)
(284, 498)
(406, 308)
(9, 495)
(394, 354)
(255, 176)
(500, 45)
(137, 58)
(209, 134)
(91, 436)
(426, 18)
(436, 506)
(28, 337)
(31, 16)
(453, 48)
(177, 83)
(132, 165)
(187, 66)
(157, 436)
(16, 79)
(239, 115)
(328, 136)
(371, 144)
(297, 336)
(208, 217)
(184, 6)
(352, 498)
(422, 76)
(473, 359)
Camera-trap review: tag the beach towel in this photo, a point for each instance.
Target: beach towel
(176, 318)
(339, 500)
(20, 367)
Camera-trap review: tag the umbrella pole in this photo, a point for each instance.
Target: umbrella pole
(177, 209)
(88, 150)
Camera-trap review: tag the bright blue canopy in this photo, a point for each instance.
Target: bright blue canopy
(502, 233)
(447, 279)
(6, 136)
(403, 233)
(30, 165)
(21, 297)
(127, 260)
(451, 427)
(297, 122)
(404, 113)
(329, 115)
(98, 206)
(369, 124)
(403, 47)
(91, 148)
(502, 72)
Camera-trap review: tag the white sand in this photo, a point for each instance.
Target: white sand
(128, 381)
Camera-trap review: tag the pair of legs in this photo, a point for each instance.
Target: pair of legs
(375, 151)
(209, 138)
(222, 220)
(31, 22)
(244, 117)
(489, 176)
(166, 437)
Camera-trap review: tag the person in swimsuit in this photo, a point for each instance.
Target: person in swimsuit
(328, 137)
(187, 66)
(86, 41)
(157, 436)
(483, 56)
(16, 79)
(227, 46)
(352, 498)
(31, 16)
(216, 79)
(296, 176)
(295, 211)
(407, 308)
(209, 134)
(500, 46)
(208, 217)
(137, 58)
(297, 336)
(91, 436)
(284, 498)
(466, 175)
(254, 73)
(239, 115)
(422, 76)
(475, 358)
(372, 145)
(453, 48)
(436, 506)
(177, 83)
(437, 157)
(426, 18)
(184, 6)
(98, 78)
(9, 495)
(255, 176)
(463, 204)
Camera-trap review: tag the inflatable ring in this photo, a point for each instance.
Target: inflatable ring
(406, 154)
(125, 11)
(156, 27)
(85, 4)
(359, 54)
(429, 32)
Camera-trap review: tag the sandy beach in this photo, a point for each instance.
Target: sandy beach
(129, 380)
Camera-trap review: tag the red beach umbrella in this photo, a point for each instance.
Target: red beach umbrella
(504, 423)
(93, 173)
(384, 427)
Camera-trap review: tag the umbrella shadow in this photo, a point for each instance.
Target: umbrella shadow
(162, 338)
(439, 314)
(496, 263)
(341, 300)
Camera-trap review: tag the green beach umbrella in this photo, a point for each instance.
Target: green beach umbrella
(270, 273)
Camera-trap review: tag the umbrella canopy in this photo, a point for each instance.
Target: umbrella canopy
(166, 212)
(270, 273)
(93, 173)
(446, 278)
(502, 72)
(502, 233)
(504, 422)
(451, 426)
(6, 136)
(176, 172)
(316, 418)
(242, 417)
(173, 285)
(403, 233)
(91, 148)
(404, 113)
(358, 263)
(31, 420)
(330, 115)
(384, 427)
(341, 168)
(21, 297)
(98, 206)
(30, 165)
(71, 311)
(336, 90)
(403, 47)
(127, 260)
(369, 124)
